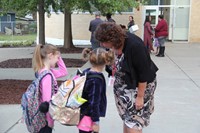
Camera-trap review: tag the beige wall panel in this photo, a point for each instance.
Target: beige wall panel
(194, 35)
(80, 24)
(54, 26)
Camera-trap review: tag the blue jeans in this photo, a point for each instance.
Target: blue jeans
(161, 41)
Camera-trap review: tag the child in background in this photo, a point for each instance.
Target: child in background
(45, 58)
(95, 88)
(156, 45)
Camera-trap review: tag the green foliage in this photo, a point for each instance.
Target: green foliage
(24, 7)
(104, 6)
(27, 37)
(17, 44)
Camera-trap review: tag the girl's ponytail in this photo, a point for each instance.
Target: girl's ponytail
(37, 62)
(110, 57)
(86, 54)
(40, 54)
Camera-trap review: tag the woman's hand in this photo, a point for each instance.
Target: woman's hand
(139, 102)
(95, 127)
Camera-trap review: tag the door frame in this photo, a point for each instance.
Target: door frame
(151, 8)
(144, 15)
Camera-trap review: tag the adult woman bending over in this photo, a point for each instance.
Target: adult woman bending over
(135, 76)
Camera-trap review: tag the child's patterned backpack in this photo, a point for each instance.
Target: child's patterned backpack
(34, 119)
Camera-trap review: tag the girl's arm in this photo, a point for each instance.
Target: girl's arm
(95, 98)
(46, 90)
(62, 69)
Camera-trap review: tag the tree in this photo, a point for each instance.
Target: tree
(105, 6)
(24, 7)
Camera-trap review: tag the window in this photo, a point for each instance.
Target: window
(8, 18)
(130, 9)
(151, 2)
(182, 2)
(165, 2)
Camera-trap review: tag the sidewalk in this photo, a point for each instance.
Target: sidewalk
(176, 98)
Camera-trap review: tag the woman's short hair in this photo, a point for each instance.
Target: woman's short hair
(161, 16)
(110, 32)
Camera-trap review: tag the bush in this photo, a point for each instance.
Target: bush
(17, 44)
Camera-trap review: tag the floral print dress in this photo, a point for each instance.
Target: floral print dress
(125, 100)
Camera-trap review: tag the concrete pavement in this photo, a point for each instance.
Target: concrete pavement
(176, 98)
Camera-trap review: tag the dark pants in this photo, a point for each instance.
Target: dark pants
(46, 129)
(80, 131)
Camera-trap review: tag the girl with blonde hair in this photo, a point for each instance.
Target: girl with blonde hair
(45, 58)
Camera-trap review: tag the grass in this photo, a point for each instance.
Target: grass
(28, 37)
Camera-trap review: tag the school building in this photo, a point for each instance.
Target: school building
(182, 17)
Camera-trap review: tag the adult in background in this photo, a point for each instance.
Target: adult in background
(131, 22)
(92, 27)
(148, 34)
(109, 18)
(135, 76)
(161, 32)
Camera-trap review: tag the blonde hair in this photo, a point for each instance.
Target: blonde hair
(98, 56)
(40, 53)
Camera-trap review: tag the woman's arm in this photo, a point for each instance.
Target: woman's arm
(139, 102)
(159, 26)
(149, 28)
(62, 69)
(140, 64)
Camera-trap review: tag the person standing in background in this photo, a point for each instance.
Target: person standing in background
(161, 32)
(131, 22)
(148, 34)
(92, 27)
(109, 18)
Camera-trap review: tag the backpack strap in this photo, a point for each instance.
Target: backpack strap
(42, 75)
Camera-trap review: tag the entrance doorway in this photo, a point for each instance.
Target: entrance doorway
(176, 16)
(180, 24)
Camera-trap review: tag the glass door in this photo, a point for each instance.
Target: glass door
(181, 17)
(180, 25)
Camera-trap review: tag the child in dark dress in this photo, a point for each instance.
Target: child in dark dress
(95, 88)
